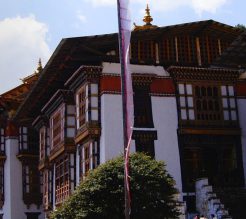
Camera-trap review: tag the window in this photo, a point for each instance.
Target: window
(57, 127)
(142, 107)
(144, 141)
(167, 50)
(33, 215)
(186, 102)
(23, 138)
(46, 189)
(28, 139)
(207, 103)
(87, 104)
(31, 179)
(145, 145)
(62, 186)
(2, 141)
(42, 141)
(1, 183)
(81, 106)
(228, 103)
(89, 157)
(146, 50)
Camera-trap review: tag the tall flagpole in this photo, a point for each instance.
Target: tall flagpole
(126, 92)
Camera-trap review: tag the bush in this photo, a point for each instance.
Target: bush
(101, 195)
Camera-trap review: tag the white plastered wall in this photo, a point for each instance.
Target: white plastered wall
(14, 207)
(242, 120)
(166, 146)
(111, 140)
(165, 122)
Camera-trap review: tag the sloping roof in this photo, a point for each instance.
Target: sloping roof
(235, 55)
(194, 28)
(71, 53)
(11, 100)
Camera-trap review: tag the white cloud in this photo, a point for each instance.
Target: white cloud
(22, 41)
(199, 6)
(102, 2)
(81, 17)
(207, 5)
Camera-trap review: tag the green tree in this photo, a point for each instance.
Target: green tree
(240, 26)
(101, 195)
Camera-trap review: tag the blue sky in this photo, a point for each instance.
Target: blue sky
(30, 29)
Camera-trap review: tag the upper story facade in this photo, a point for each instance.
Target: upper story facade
(75, 105)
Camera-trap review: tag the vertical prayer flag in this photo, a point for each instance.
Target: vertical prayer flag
(126, 87)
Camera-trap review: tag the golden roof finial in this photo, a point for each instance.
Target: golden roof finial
(147, 19)
(40, 67)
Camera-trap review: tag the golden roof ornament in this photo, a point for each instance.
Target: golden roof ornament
(40, 67)
(147, 19)
(35, 74)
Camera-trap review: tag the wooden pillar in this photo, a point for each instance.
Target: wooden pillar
(176, 50)
(157, 58)
(219, 46)
(198, 51)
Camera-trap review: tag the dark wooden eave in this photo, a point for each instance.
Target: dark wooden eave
(194, 29)
(204, 74)
(61, 96)
(71, 53)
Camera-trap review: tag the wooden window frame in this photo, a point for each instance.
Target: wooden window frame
(143, 116)
(208, 111)
(208, 102)
(23, 138)
(31, 180)
(145, 141)
(145, 146)
(228, 97)
(46, 189)
(57, 127)
(2, 141)
(1, 183)
(186, 97)
(89, 157)
(42, 143)
(32, 215)
(146, 50)
(81, 106)
(62, 180)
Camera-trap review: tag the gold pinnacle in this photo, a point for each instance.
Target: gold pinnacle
(147, 18)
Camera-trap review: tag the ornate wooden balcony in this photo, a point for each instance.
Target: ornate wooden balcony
(89, 129)
(67, 145)
(43, 163)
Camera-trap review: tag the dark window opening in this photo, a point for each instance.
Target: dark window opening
(32, 215)
(142, 107)
(146, 146)
(144, 141)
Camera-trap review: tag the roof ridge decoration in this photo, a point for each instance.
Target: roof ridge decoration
(147, 19)
(36, 73)
(40, 67)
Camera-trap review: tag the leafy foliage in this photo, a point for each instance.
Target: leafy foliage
(241, 26)
(101, 195)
